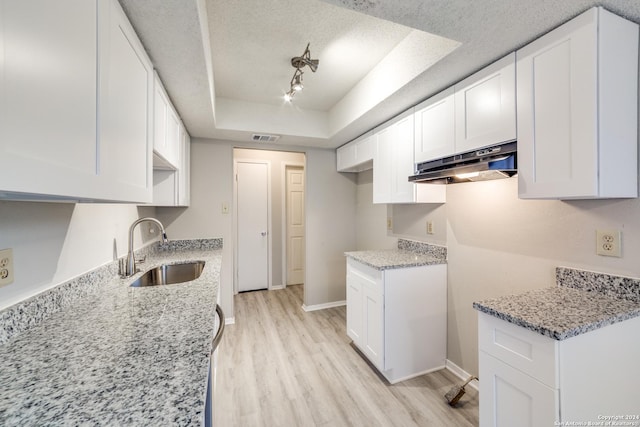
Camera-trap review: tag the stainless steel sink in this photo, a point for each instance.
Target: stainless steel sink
(168, 274)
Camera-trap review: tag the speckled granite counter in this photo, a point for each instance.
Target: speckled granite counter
(408, 254)
(119, 355)
(583, 301)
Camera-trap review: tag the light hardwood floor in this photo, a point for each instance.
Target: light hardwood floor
(281, 366)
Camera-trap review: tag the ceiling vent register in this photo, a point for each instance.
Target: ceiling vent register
(256, 137)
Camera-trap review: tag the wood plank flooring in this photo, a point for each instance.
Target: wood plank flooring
(281, 366)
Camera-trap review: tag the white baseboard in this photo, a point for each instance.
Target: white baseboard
(408, 377)
(276, 287)
(460, 373)
(229, 320)
(323, 306)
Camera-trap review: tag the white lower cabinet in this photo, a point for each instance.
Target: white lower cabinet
(398, 317)
(529, 379)
(510, 397)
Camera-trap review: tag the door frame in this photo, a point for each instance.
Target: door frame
(283, 180)
(235, 218)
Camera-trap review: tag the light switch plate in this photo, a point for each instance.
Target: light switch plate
(430, 229)
(6, 267)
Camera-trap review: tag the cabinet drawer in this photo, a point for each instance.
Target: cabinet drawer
(525, 350)
(368, 276)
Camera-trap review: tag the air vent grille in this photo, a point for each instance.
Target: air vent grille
(264, 138)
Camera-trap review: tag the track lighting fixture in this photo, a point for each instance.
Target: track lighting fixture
(299, 62)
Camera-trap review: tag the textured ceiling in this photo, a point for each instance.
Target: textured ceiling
(251, 50)
(253, 41)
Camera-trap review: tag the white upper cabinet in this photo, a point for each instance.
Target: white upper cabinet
(393, 163)
(172, 187)
(166, 129)
(184, 188)
(84, 80)
(485, 105)
(124, 110)
(577, 90)
(479, 111)
(48, 98)
(357, 155)
(435, 127)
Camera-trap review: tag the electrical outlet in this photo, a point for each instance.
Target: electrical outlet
(389, 223)
(430, 228)
(609, 243)
(6, 267)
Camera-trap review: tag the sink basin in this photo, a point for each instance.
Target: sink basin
(168, 274)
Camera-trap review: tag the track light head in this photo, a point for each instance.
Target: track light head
(299, 62)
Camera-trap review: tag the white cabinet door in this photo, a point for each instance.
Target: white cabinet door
(512, 398)
(365, 148)
(125, 99)
(166, 129)
(485, 106)
(393, 163)
(577, 110)
(354, 306)
(373, 315)
(172, 187)
(365, 311)
(173, 137)
(402, 191)
(346, 157)
(160, 115)
(48, 97)
(184, 190)
(435, 128)
(356, 156)
(382, 166)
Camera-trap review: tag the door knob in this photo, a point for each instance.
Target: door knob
(264, 233)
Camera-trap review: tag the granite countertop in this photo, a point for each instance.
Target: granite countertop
(409, 253)
(119, 356)
(394, 258)
(572, 308)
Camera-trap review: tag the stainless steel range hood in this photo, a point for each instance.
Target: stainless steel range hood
(499, 161)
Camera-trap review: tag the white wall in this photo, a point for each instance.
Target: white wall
(330, 208)
(211, 186)
(331, 231)
(371, 224)
(55, 242)
(499, 245)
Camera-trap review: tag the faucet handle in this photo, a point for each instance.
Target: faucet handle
(122, 267)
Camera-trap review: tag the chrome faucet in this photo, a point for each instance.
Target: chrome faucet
(130, 263)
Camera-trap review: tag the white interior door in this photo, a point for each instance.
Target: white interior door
(252, 195)
(295, 225)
